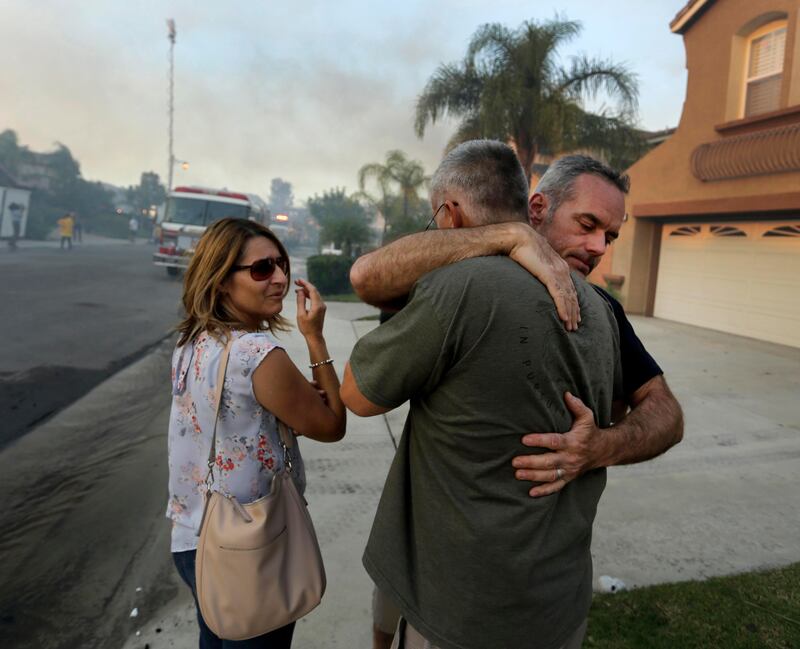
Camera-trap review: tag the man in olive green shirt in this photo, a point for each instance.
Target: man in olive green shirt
(470, 559)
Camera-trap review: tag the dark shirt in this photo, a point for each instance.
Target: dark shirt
(638, 367)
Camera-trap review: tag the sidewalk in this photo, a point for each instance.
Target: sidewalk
(721, 502)
(89, 240)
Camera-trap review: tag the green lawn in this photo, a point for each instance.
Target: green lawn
(754, 611)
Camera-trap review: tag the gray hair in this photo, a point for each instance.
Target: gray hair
(558, 181)
(488, 172)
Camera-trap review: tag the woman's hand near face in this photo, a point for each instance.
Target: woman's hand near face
(310, 317)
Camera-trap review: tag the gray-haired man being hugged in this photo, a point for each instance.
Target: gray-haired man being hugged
(471, 560)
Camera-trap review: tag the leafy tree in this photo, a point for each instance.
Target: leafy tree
(149, 192)
(397, 174)
(68, 191)
(90, 200)
(511, 87)
(342, 219)
(9, 150)
(281, 196)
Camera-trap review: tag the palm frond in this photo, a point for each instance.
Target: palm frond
(491, 46)
(614, 138)
(556, 31)
(453, 89)
(587, 76)
(374, 170)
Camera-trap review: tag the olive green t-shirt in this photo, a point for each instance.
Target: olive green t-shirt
(470, 558)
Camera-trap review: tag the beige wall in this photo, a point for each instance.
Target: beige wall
(714, 46)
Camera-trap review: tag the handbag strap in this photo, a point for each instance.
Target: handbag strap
(223, 365)
(287, 442)
(287, 438)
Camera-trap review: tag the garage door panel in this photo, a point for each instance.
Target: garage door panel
(776, 299)
(747, 285)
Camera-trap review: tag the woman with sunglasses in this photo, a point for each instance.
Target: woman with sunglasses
(234, 290)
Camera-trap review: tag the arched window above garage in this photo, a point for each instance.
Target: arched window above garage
(763, 78)
(783, 231)
(727, 231)
(685, 231)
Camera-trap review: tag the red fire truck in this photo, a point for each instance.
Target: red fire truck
(189, 211)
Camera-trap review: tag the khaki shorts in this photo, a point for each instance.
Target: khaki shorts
(385, 615)
(407, 637)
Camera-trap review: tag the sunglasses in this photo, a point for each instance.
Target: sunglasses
(263, 269)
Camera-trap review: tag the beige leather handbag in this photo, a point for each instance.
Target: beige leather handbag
(258, 564)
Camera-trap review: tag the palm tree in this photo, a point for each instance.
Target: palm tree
(399, 174)
(511, 87)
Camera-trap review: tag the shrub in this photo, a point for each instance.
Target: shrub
(42, 218)
(330, 273)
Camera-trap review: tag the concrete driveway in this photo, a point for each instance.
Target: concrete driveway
(726, 499)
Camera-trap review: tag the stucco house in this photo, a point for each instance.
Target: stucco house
(713, 228)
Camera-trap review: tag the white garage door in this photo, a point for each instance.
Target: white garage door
(743, 278)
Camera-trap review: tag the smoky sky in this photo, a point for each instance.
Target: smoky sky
(308, 91)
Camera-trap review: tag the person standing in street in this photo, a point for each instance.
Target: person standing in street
(77, 228)
(479, 350)
(17, 212)
(133, 228)
(66, 225)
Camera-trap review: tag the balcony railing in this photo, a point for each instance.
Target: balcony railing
(771, 151)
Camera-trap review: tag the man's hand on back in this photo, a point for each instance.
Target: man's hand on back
(568, 454)
(654, 424)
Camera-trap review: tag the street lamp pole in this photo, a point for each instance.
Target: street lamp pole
(171, 37)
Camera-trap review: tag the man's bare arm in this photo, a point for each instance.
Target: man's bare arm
(654, 424)
(386, 276)
(652, 427)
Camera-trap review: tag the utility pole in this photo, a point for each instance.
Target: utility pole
(171, 37)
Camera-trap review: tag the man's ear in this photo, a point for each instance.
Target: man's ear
(456, 218)
(537, 209)
(452, 216)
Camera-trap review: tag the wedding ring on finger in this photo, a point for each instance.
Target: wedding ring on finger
(559, 473)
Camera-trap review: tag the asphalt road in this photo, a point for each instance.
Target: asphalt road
(70, 320)
(84, 405)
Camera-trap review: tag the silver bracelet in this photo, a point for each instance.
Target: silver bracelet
(327, 361)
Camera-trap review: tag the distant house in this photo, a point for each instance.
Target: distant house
(713, 234)
(37, 171)
(14, 196)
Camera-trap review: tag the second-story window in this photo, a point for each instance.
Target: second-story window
(765, 69)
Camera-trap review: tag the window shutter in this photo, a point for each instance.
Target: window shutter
(763, 96)
(766, 54)
(764, 73)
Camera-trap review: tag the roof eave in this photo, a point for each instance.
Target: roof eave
(686, 16)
